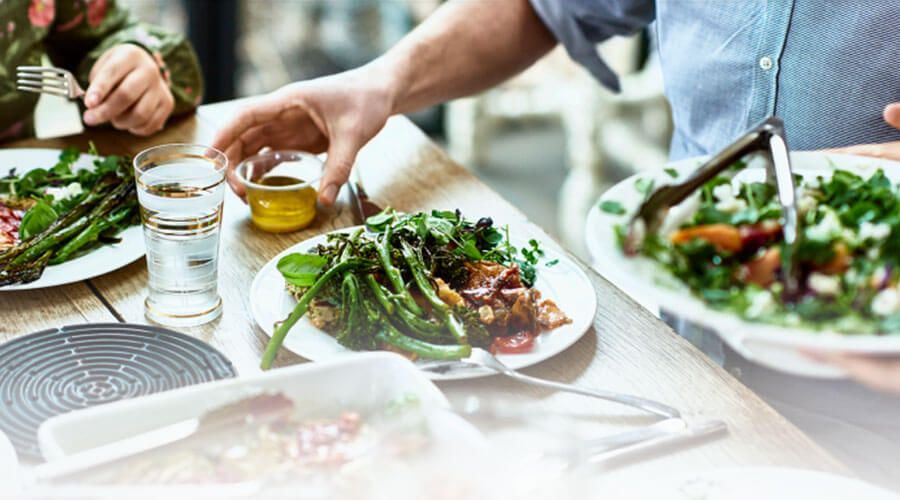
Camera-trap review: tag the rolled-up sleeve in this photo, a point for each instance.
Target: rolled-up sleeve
(581, 24)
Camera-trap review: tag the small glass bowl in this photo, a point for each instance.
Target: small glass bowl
(281, 189)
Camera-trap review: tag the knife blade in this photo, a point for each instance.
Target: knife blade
(360, 204)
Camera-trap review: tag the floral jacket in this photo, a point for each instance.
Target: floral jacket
(74, 34)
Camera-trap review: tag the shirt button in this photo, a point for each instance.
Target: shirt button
(765, 63)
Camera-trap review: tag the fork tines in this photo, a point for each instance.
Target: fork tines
(42, 79)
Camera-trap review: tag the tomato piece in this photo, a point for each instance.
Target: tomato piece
(762, 270)
(519, 343)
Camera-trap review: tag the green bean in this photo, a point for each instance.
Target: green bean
(379, 292)
(439, 306)
(390, 335)
(393, 274)
(301, 308)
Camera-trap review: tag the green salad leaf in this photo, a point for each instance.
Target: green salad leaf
(301, 269)
(36, 219)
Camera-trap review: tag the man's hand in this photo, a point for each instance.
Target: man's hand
(128, 90)
(878, 372)
(338, 114)
(887, 150)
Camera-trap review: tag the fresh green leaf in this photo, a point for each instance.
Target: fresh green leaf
(36, 219)
(672, 172)
(612, 207)
(552, 263)
(644, 185)
(301, 269)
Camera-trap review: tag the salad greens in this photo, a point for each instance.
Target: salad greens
(400, 284)
(728, 251)
(70, 211)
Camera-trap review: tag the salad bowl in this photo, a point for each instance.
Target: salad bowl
(775, 341)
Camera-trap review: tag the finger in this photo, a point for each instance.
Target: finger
(129, 91)
(892, 114)
(138, 115)
(341, 156)
(154, 124)
(106, 75)
(259, 112)
(879, 373)
(887, 151)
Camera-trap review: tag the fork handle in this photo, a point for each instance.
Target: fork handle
(625, 399)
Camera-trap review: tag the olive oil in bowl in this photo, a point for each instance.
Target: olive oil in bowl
(280, 211)
(280, 189)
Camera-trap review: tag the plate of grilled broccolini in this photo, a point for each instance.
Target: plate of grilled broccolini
(65, 217)
(430, 286)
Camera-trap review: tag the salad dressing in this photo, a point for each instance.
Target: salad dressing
(282, 210)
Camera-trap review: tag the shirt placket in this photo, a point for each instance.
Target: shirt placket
(767, 57)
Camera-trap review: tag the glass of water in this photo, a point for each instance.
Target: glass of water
(180, 189)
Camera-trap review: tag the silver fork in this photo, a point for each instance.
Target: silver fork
(484, 359)
(48, 80)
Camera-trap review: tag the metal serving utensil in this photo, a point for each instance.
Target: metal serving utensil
(48, 80)
(768, 139)
(360, 204)
(484, 359)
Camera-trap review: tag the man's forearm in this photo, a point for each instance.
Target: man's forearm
(465, 47)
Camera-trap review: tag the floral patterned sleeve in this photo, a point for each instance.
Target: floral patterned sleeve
(85, 29)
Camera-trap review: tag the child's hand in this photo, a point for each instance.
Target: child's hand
(128, 90)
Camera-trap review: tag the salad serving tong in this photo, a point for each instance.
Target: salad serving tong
(484, 359)
(767, 139)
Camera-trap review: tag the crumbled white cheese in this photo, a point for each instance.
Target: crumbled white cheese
(877, 232)
(824, 285)
(723, 192)
(852, 277)
(806, 203)
(874, 253)
(887, 302)
(731, 206)
(761, 303)
(812, 182)
(64, 192)
(826, 229)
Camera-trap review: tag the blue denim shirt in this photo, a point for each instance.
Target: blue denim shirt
(827, 67)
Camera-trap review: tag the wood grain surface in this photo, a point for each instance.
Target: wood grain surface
(627, 350)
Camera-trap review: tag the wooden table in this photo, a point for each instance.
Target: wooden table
(627, 350)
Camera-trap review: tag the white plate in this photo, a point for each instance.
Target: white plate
(9, 467)
(102, 260)
(565, 283)
(365, 382)
(751, 483)
(770, 345)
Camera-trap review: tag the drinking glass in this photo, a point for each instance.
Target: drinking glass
(180, 189)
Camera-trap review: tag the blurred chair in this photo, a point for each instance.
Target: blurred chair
(631, 129)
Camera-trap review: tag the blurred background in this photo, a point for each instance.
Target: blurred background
(550, 140)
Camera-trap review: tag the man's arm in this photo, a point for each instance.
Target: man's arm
(465, 47)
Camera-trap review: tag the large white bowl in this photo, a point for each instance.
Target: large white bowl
(773, 346)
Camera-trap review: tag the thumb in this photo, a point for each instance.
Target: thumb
(341, 156)
(892, 114)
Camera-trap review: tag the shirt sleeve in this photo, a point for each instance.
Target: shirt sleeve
(580, 25)
(85, 29)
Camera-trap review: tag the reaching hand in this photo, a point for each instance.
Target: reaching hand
(887, 150)
(338, 114)
(128, 90)
(878, 372)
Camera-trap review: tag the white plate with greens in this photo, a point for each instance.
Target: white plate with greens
(851, 221)
(562, 281)
(102, 259)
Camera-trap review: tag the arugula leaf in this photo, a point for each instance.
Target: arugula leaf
(612, 207)
(36, 219)
(301, 269)
(644, 185)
